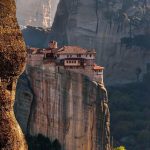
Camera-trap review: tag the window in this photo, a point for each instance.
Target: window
(90, 55)
(78, 55)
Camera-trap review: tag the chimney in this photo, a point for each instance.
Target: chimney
(53, 44)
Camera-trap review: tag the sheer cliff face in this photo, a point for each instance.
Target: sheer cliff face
(36, 12)
(64, 106)
(115, 28)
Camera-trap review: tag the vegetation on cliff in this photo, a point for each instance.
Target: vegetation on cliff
(129, 105)
(120, 148)
(41, 142)
(12, 63)
(142, 41)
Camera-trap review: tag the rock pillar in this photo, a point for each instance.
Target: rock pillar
(12, 63)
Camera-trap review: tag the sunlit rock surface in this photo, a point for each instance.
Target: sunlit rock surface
(39, 13)
(64, 105)
(12, 62)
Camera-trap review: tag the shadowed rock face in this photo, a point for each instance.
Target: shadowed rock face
(12, 62)
(119, 30)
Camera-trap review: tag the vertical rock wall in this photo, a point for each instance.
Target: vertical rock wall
(107, 26)
(39, 13)
(66, 106)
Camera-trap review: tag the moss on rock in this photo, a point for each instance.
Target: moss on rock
(12, 63)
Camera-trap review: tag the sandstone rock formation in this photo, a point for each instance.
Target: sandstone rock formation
(12, 62)
(38, 13)
(119, 30)
(64, 105)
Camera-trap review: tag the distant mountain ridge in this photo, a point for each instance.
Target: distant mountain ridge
(35, 36)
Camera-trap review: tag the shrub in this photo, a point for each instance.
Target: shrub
(120, 148)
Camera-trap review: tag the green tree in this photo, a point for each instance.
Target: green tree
(56, 145)
(120, 148)
(41, 142)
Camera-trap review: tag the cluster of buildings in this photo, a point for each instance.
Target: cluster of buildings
(72, 58)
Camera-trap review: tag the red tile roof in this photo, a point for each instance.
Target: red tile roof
(49, 50)
(34, 50)
(73, 50)
(96, 67)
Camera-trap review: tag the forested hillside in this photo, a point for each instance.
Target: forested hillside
(130, 114)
